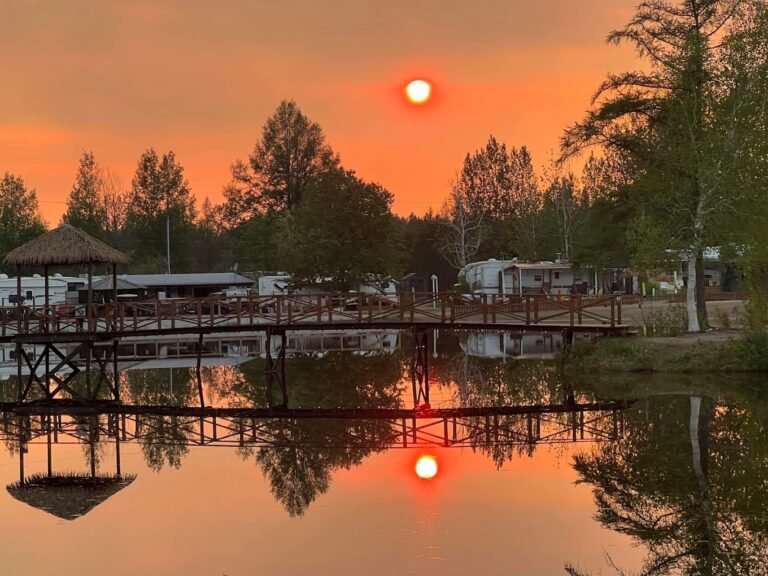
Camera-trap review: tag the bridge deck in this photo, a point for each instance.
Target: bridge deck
(318, 312)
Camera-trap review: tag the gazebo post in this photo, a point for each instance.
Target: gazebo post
(90, 296)
(46, 299)
(19, 384)
(46, 324)
(114, 291)
(18, 296)
(92, 439)
(118, 470)
(22, 441)
(50, 455)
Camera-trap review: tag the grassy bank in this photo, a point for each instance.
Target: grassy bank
(741, 353)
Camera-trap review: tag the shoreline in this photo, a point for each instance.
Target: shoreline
(715, 351)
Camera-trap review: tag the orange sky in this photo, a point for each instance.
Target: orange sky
(200, 78)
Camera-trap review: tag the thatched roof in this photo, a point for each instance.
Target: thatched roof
(68, 496)
(62, 246)
(122, 284)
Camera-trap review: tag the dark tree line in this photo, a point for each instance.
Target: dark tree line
(678, 163)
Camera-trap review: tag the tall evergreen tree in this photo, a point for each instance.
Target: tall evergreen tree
(291, 153)
(20, 219)
(160, 201)
(85, 206)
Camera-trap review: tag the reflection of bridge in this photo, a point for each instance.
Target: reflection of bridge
(266, 427)
(286, 443)
(135, 352)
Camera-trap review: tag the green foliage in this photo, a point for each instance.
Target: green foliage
(668, 321)
(160, 194)
(684, 481)
(20, 219)
(85, 206)
(342, 235)
(290, 155)
(693, 124)
(751, 351)
(421, 256)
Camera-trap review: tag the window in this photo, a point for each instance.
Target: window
(557, 275)
(537, 278)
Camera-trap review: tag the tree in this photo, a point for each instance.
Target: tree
(600, 232)
(291, 153)
(160, 198)
(497, 186)
(686, 482)
(115, 199)
(485, 182)
(463, 232)
(85, 206)
(342, 235)
(20, 219)
(681, 120)
(421, 238)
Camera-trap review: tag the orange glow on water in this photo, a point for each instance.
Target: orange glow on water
(426, 467)
(418, 91)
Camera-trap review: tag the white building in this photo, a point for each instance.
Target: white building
(277, 284)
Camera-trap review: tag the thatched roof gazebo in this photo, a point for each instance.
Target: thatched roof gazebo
(68, 496)
(65, 246)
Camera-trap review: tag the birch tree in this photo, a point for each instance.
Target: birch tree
(463, 231)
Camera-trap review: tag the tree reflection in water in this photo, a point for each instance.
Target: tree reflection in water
(689, 481)
(164, 439)
(309, 451)
(488, 382)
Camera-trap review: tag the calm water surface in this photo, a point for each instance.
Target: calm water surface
(636, 472)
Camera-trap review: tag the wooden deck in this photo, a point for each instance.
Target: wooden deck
(311, 312)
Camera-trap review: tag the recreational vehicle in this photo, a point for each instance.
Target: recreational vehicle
(515, 278)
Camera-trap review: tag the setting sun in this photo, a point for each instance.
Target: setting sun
(418, 91)
(426, 467)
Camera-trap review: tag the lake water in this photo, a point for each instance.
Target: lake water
(535, 472)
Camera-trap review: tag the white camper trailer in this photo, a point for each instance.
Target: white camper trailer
(61, 290)
(515, 278)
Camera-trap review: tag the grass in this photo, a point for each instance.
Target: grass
(748, 353)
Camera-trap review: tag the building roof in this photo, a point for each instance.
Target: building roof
(62, 246)
(540, 266)
(122, 284)
(201, 279)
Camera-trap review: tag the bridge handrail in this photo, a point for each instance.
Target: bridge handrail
(353, 307)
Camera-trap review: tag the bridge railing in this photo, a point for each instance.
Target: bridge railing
(292, 309)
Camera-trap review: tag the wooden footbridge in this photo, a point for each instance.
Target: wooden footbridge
(52, 343)
(601, 314)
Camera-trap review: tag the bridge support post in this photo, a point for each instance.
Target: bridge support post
(420, 369)
(275, 368)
